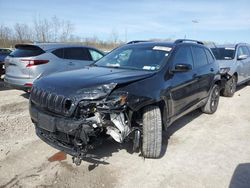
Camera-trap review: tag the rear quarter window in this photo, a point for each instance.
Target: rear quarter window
(95, 54)
(26, 51)
(210, 57)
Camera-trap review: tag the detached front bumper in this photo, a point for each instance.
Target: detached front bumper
(61, 133)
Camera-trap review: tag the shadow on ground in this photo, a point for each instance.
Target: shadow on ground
(2, 86)
(241, 176)
(177, 125)
(99, 155)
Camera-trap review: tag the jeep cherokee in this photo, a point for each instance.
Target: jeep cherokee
(133, 92)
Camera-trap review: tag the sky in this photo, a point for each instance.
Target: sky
(221, 21)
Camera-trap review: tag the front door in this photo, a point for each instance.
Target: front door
(184, 84)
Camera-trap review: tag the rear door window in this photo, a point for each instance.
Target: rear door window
(26, 51)
(200, 57)
(77, 54)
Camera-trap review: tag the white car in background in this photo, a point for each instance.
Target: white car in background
(30, 61)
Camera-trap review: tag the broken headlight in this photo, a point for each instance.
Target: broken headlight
(224, 70)
(117, 99)
(96, 92)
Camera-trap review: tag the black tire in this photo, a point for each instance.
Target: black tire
(152, 132)
(213, 100)
(230, 87)
(1, 71)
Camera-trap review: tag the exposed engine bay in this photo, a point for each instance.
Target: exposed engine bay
(90, 123)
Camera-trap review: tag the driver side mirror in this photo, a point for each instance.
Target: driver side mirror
(242, 57)
(182, 68)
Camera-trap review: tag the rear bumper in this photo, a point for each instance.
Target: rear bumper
(18, 83)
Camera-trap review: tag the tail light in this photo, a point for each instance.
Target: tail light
(28, 84)
(35, 62)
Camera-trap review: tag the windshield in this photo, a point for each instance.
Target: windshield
(136, 57)
(223, 53)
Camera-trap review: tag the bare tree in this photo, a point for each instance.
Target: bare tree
(5, 36)
(66, 30)
(114, 37)
(42, 30)
(22, 33)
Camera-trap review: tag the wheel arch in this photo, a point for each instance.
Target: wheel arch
(162, 104)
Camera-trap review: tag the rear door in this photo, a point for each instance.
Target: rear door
(16, 64)
(77, 57)
(204, 69)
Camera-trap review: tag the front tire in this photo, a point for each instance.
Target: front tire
(152, 132)
(230, 87)
(1, 71)
(213, 101)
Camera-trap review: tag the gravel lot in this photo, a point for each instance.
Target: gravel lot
(199, 151)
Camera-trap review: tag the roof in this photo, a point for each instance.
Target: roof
(147, 44)
(49, 46)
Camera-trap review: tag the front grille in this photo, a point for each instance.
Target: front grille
(50, 101)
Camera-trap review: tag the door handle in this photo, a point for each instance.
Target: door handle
(212, 69)
(71, 64)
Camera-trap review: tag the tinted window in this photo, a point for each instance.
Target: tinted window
(77, 54)
(58, 53)
(183, 56)
(26, 51)
(95, 55)
(210, 58)
(223, 53)
(200, 57)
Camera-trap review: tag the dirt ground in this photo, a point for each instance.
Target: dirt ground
(199, 151)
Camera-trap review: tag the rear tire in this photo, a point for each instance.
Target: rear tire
(230, 87)
(152, 132)
(213, 100)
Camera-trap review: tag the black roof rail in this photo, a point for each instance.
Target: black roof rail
(137, 41)
(188, 40)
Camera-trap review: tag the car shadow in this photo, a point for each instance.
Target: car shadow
(241, 86)
(25, 95)
(177, 125)
(241, 176)
(2, 86)
(100, 154)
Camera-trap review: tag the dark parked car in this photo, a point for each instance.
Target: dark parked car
(132, 92)
(4, 52)
(234, 62)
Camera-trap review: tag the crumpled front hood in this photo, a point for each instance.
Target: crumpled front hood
(69, 82)
(228, 64)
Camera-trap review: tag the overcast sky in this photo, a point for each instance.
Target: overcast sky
(214, 20)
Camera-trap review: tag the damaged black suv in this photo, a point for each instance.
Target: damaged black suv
(135, 91)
